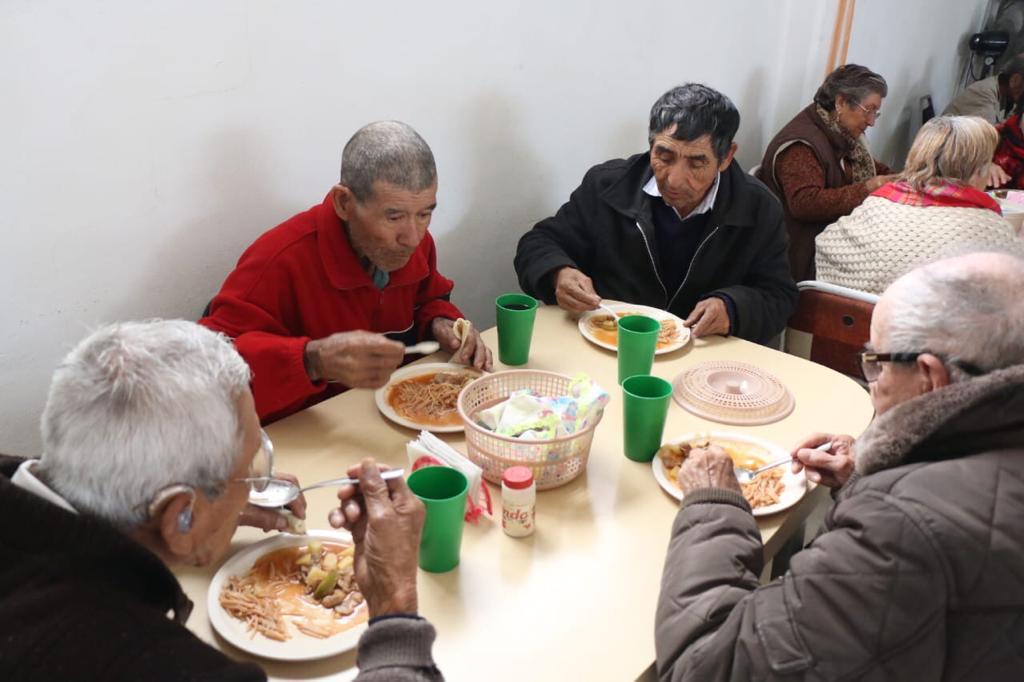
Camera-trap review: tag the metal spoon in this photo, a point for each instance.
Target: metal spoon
(745, 476)
(602, 306)
(279, 492)
(423, 348)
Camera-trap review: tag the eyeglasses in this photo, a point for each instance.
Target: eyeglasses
(871, 363)
(872, 114)
(260, 473)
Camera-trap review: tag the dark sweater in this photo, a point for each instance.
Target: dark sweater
(80, 600)
(677, 241)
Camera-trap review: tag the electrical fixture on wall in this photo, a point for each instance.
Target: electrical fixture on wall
(988, 46)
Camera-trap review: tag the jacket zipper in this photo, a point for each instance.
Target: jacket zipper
(650, 254)
(690, 267)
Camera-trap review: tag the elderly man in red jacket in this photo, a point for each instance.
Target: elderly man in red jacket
(328, 299)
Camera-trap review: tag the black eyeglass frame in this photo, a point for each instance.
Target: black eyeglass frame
(873, 359)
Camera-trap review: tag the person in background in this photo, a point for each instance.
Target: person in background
(150, 440)
(1008, 160)
(993, 98)
(328, 299)
(936, 203)
(819, 164)
(917, 574)
(678, 226)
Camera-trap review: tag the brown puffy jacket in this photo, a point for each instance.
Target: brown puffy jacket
(919, 574)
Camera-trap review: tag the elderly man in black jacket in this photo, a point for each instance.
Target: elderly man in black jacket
(679, 227)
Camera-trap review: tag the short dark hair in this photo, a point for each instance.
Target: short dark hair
(696, 110)
(854, 82)
(1015, 66)
(389, 151)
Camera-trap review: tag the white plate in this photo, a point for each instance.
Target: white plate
(796, 484)
(300, 647)
(409, 372)
(656, 313)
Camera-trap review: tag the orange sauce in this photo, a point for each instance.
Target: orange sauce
(293, 598)
(445, 419)
(612, 337)
(745, 461)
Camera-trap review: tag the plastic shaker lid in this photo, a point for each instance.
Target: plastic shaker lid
(517, 478)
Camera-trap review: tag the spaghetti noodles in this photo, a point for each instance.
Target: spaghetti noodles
(312, 588)
(765, 490)
(431, 398)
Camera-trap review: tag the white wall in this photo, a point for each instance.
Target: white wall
(146, 144)
(919, 48)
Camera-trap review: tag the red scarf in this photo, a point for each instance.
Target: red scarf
(944, 194)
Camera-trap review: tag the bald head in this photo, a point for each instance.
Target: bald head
(968, 310)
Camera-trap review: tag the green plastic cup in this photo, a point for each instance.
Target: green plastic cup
(644, 408)
(638, 338)
(443, 492)
(516, 313)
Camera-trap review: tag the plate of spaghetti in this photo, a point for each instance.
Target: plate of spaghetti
(290, 597)
(770, 492)
(425, 397)
(599, 328)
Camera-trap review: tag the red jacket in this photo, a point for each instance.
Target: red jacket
(301, 281)
(1009, 153)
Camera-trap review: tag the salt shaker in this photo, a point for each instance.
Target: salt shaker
(518, 501)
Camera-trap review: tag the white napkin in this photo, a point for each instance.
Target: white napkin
(430, 445)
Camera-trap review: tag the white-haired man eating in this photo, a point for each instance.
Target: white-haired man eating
(150, 442)
(919, 572)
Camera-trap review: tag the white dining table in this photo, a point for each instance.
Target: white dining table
(576, 600)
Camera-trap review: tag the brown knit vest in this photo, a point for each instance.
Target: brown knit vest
(805, 128)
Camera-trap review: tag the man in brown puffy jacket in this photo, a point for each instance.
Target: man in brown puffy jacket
(919, 573)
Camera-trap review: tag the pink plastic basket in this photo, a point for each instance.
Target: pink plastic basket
(554, 462)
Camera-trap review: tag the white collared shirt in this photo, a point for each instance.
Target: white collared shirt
(26, 479)
(705, 206)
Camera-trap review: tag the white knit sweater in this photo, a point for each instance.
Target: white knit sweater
(881, 240)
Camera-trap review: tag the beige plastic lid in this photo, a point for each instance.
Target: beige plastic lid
(732, 393)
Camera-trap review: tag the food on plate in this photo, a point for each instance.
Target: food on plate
(766, 488)
(605, 328)
(312, 587)
(430, 398)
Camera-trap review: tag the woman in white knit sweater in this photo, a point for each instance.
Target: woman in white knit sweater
(936, 204)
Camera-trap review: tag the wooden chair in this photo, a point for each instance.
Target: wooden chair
(830, 326)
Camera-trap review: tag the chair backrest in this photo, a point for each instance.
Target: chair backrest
(831, 325)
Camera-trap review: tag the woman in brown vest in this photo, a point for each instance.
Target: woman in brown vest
(830, 172)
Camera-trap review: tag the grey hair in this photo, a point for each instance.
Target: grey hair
(388, 151)
(972, 314)
(854, 82)
(137, 407)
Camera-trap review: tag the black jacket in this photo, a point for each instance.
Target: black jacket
(81, 601)
(606, 231)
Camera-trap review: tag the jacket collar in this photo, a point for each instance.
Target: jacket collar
(344, 271)
(979, 414)
(733, 206)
